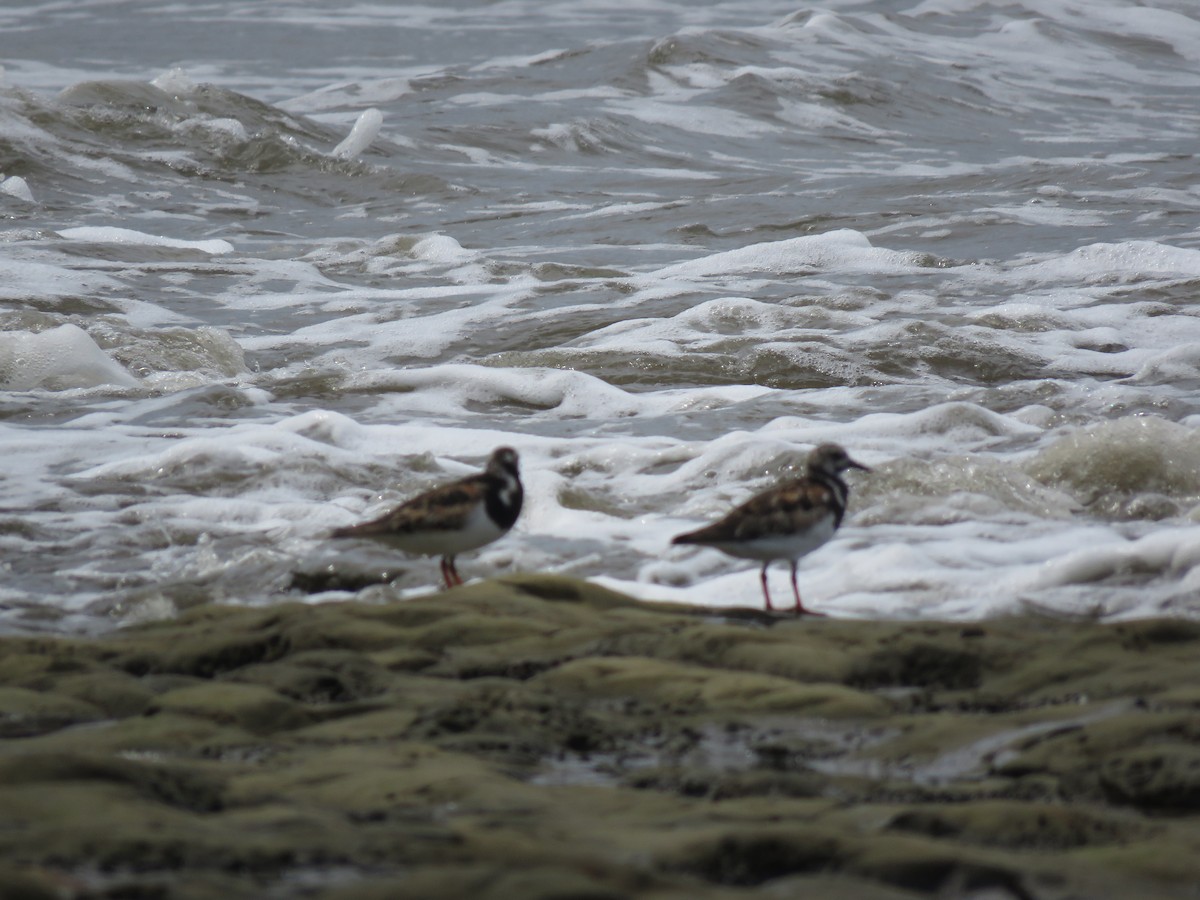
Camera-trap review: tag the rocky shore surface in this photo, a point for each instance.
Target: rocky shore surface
(542, 737)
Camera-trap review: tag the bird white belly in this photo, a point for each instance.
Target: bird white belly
(781, 546)
(476, 531)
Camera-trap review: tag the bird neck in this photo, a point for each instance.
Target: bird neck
(504, 498)
(839, 491)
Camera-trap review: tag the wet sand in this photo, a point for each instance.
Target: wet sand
(543, 737)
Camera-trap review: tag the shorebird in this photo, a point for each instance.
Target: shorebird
(453, 518)
(787, 521)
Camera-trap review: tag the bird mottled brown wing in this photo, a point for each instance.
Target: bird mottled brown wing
(787, 509)
(442, 509)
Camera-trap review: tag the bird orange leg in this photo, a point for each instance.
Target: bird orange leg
(450, 576)
(801, 609)
(766, 593)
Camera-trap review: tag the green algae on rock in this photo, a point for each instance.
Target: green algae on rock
(540, 736)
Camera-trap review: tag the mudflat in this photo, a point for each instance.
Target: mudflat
(542, 737)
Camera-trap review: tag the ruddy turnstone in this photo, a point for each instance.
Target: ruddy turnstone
(453, 518)
(787, 521)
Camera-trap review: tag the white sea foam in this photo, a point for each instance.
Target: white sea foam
(51, 283)
(691, 117)
(175, 81)
(1128, 260)
(110, 234)
(845, 250)
(365, 130)
(1168, 553)
(57, 359)
(16, 186)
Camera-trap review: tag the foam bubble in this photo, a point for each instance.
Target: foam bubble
(957, 488)
(222, 129)
(21, 280)
(1131, 260)
(1168, 553)
(442, 248)
(16, 186)
(57, 359)
(175, 81)
(109, 234)
(843, 249)
(1118, 467)
(365, 130)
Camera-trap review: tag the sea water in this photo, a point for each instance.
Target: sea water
(268, 269)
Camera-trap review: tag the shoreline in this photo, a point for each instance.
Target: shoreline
(538, 736)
